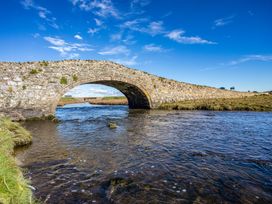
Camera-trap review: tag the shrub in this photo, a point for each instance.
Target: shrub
(63, 80)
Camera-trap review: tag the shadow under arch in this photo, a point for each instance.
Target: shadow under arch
(137, 97)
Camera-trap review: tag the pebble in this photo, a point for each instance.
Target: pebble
(184, 190)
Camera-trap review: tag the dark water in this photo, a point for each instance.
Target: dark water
(151, 157)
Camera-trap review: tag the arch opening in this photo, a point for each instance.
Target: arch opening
(136, 97)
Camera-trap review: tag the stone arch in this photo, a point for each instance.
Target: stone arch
(137, 97)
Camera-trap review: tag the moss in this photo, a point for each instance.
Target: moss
(262, 102)
(63, 80)
(34, 71)
(75, 78)
(13, 187)
(10, 89)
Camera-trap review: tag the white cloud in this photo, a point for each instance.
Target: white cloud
(153, 48)
(78, 37)
(223, 21)
(102, 8)
(247, 58)
(128, 62)
(55, 41)
(98, 22)
(36, 35)
(140, 3)
(92, 31)
(129, 40)
(67, 50)
(115, 50)
(178, 36)
(153, 28)
(116, 36)
(43, 12)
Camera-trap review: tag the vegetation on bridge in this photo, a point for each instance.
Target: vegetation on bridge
(261, 102)
(14, 187)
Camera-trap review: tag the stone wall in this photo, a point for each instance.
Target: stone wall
(33, 89)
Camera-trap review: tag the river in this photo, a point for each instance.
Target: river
(151, 157)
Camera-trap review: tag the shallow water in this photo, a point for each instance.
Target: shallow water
(151, 157)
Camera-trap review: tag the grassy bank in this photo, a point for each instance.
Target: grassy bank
(13, 187)
(262, 102)
(109, 100)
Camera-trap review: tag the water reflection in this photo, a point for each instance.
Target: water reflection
(151, 157)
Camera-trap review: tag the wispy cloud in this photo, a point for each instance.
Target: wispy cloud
(98, 22)
(153, 48)
(139, 3)
(234, 64)
(153, 28)
(92, 31)
(137, 6)
(223, 21)
(67, 50)
(116, 36)
(43, 12)
(178, 36)
(101, 8)
(247, 58)
(127, 61)
(121, 49)
(78, 37)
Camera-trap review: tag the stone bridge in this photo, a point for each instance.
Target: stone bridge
(33, 89)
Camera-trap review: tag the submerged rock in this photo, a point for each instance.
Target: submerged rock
(112, 125)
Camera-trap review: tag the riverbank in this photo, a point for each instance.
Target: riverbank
(14, 188)
(261, 102)
(110, 100)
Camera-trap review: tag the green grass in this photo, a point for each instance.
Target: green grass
(13, 187)
(262, 102)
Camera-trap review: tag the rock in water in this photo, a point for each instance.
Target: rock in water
(112, 125)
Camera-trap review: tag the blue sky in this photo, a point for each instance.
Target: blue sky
(216, 43)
